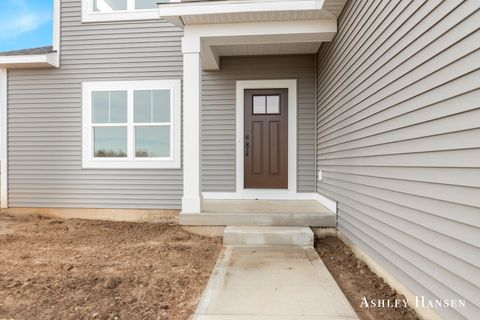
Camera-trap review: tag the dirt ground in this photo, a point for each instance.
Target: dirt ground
(78, 269)
(357, 281)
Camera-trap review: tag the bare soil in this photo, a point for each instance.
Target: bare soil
(357, 281)
(79, 269)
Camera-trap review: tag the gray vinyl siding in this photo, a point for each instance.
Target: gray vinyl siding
(44, 116)
(218, 116)
(398, 133)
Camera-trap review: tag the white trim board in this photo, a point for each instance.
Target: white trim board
(272, 195)
(3, 139)
(47, 60)
(56, 31)
(241, 86)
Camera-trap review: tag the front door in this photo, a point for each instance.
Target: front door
(266, 139)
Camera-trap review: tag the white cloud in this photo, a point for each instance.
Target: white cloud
(21, 19)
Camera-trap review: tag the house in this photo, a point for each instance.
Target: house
(366, 112)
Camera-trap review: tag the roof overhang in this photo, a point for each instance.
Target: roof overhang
(201, 12)
(251, 27)
(248, 38)
(47, 60)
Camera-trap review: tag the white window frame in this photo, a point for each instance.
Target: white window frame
(131, 162)
(88, 15)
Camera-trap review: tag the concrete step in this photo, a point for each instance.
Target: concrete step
(323, 219)
(277, 236)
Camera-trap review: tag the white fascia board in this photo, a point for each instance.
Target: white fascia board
(47, 60)
(3, 139)
(267, 28)
(174, 11)
(254, 33)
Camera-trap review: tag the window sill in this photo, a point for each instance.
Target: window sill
(120, 16)
(129, 164)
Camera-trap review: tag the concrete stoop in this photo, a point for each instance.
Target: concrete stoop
(268, 236)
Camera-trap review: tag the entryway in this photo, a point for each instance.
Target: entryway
(266, 139)
(266, 124)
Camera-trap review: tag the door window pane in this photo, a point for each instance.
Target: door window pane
(148, 4)
(152, 141)
(273, 104)
(100, 103)
(110, 142)
(109, 5)
(259, 104)
(161, 106)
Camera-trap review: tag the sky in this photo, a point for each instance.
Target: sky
(25, 24)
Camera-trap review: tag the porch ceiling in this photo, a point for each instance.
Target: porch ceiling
(266, 49)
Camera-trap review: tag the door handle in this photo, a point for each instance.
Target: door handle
(247, 145)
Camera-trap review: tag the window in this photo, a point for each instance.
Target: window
(131, 124)
(114, 10)
(266, 104)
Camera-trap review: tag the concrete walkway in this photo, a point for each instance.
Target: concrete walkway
(272, 282)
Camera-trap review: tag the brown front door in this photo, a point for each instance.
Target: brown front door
(266, 139)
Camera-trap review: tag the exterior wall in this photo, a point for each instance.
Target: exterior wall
(218, 144)
(44, 116)
(399, 141)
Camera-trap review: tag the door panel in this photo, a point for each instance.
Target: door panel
(266, 139)
(274, 146)
(257, 147)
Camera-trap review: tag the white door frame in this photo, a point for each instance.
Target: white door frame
(241, 86)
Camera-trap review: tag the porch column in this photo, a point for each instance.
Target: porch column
(192, 73)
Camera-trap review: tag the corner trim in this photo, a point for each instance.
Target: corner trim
(327, 202)
(56, 26)
(3, 138)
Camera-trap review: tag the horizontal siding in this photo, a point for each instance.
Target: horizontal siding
(44, 116)
(398, 138)
(218, 145)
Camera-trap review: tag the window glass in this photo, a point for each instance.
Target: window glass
(148, 4)
(273, 104)
(142, 106)
(151, 106)
(109, 5)
(161, 106)
(109, 106)
(110, 142)
(152, 141)
(100, 104)
(118, 106)
(258, 104)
